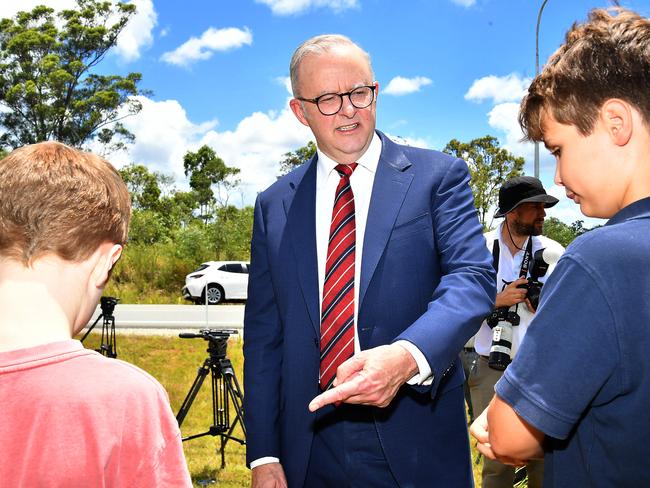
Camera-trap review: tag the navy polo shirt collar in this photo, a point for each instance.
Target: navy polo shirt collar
(636, 210)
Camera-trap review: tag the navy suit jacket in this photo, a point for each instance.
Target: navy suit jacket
(426, 277)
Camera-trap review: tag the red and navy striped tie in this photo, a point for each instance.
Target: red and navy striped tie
(337, 314)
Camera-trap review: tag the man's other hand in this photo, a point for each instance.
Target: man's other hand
(479, 430)
(371, 377)
(269, 475)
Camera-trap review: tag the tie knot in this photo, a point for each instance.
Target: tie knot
(345, 170)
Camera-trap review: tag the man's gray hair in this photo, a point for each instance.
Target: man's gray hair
(319, 45)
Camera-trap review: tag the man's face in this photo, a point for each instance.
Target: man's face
(528, 219)
(346, 135)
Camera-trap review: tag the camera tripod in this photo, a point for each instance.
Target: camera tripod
(225, 389)
(108, 346)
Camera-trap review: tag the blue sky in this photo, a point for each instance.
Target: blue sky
(218, 73)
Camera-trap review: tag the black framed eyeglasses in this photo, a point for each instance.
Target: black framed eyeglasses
(331, 103)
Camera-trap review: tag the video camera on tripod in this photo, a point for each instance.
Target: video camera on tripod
(108, 345)
(502, 319)
(107, 304)
(225, 389)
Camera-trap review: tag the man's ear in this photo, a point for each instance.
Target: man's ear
(109, 254)
(616, 115)
(299, 111)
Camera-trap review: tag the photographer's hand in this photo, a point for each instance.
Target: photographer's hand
(511, 295)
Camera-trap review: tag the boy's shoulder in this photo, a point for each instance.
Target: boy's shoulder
(616, 246)
(122, 376)
(104, 375)
(595, 244)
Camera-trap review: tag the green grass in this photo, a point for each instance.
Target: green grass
(174, 362)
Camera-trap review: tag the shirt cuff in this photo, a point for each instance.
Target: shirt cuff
(425, 376)
(264, 460)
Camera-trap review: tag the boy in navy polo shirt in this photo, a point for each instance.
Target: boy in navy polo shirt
(578, 391)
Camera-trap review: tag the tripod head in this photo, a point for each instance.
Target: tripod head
(217, 339)
(107, 305)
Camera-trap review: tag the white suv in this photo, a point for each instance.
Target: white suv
(223, 280)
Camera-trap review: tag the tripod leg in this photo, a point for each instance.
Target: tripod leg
(235, 392)
(220, 408)
(108, 345)
(101, 316)
(194, 390)
(112, 341)
(235, 396)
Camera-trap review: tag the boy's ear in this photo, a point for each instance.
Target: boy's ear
(109, 254)
(616, 114)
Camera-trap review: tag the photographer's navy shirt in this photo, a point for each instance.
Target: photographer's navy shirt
(582, 376)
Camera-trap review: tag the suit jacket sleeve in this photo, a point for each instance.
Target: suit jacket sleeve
(466, 291)
(262, 351)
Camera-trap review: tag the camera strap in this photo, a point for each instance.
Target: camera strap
(525, 262)
(528, 256)
(495, 255)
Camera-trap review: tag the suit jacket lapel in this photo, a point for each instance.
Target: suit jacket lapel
(300, 208)
(388, 193)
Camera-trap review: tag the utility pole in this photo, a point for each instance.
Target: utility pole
(539, 18)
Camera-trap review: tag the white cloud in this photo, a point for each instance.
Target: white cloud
(210, 41)
(164, 133)
(403, 86)
(257, 146)
(505, 93)
(464, 3)
(290, 7)
(136, 35)
(409, 141)
(509, 88)
(286, 82)
(504, 118)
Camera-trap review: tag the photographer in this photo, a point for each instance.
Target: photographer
(516, 246)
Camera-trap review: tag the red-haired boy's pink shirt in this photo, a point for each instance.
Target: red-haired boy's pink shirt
(71, 417)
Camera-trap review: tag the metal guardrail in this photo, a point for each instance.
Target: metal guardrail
(129, 316)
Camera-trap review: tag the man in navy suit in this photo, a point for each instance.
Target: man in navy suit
(420, 283)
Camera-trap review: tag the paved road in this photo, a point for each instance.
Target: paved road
(173, 318)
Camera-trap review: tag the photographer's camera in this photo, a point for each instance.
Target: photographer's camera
(501, 321)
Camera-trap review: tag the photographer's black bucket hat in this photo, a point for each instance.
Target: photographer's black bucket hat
(522, 189)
